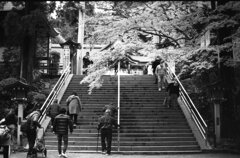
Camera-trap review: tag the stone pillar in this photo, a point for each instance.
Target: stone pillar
(20, 118)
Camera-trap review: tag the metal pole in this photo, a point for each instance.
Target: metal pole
(118, 105)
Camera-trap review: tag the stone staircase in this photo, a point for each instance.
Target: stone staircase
(146, 125)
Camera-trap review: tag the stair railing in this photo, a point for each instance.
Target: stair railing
(53, 94)
(196, 116)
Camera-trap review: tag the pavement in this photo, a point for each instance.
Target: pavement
(54, 154)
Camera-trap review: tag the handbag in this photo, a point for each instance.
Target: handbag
(4, 133)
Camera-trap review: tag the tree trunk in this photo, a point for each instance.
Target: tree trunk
(28, 49)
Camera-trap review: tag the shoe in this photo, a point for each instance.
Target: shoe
(64, 155)
(104, 152)
(159, 89)
(60, 155)
(108, 154)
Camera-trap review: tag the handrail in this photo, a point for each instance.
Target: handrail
(54, 92)
(196, 116)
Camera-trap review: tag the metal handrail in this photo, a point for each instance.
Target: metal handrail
(196, 116)
(54, 92)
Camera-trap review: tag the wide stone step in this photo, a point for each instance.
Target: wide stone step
(114, 88)
(134, 109)
(128, 143)
(162, 123)
(124, 100)
(124, 121)
(132, 148)
(86, 117)
(122, 139)
(124, 107)
(122, 95)
(189, 134)
(157, 123)
(165, 126)
(123, 115)
(135, 113)
(122, 130)
(115, 84)
(140, 97)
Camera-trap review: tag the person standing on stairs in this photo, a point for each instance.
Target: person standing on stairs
(74, 105)
(155, 63)
(31, 132)
(173, 92)
(161, 73)
(86, 62)
(106, 123)
(60, 127)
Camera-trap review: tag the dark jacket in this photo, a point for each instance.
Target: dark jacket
(61, 124)
(173, 89)
(86, 61)
(107, 122)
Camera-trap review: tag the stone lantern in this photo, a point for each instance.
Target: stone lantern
(19, 91)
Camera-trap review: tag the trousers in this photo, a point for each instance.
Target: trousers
(63, 137)
(106, 135)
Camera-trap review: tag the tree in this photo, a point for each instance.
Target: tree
(67, 18)
(136, 23)
(159, 18)
(223, 22)
(23, 29)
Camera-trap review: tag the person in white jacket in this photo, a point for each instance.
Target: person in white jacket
(74, 107)
(161, 72)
